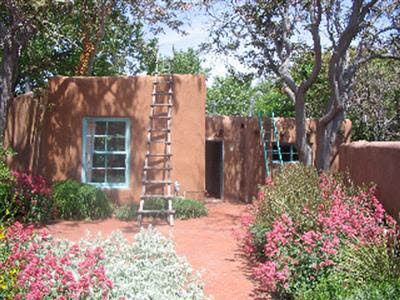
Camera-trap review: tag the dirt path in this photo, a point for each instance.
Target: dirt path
(208, 243)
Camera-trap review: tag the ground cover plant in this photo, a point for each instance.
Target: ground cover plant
(33, 265)
(312, 236)
(184, 208)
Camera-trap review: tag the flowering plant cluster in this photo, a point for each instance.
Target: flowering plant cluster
(33, 265)
(31, 197)
(44, 268)
(301, 243)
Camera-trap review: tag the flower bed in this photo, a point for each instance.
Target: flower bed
(33, 265)
(306, 230)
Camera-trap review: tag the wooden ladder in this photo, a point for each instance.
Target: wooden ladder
(157, 183)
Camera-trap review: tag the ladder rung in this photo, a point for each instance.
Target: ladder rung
(159, 142)
(161, 104)
(164, 211)
(156, 197)
(158, 130)
(162, 81)
(162, 93)
(158, 154)
(157, 168)
(160, 117)
(157, 181)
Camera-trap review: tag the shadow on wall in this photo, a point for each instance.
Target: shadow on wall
(244, 167)
(52, 144)
(375, 162)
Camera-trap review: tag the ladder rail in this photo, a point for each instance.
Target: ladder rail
(276, 133)
(159, 132)
(264, 144)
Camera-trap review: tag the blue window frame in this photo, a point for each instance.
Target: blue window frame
(106, 152)
(288, 151)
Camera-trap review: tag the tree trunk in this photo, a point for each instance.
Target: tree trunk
(8, 69)
(303, 148)
(326, 138)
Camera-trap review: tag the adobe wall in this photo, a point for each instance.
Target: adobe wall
(72, 98)
(244, 164)
(377, 162)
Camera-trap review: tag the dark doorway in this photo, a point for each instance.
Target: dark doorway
(215, 168)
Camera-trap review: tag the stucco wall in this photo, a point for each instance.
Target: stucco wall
(244, 165)
(377, 162)
(72, 98)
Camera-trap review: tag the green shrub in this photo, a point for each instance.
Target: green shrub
(293, 188)
(79, 201)
(7, 207)
(126, 212)
(184, 209)
(313, 236)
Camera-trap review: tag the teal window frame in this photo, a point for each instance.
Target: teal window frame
(126, 152)
(288, 150)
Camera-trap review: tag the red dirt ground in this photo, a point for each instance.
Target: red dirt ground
(208, 243)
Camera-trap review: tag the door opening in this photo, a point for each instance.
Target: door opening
(215, 168)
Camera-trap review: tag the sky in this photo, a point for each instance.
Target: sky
(197, 33)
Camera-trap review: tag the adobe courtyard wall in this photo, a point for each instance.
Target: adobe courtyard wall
(244, 164)
(377, 162)
(57, 151)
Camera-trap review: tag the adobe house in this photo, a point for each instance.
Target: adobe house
(93, 129)
(234, 152)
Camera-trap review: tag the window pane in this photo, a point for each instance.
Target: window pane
(99, 143)
(115, 176)
(116, 128)
(101, 127)
(99, 160)
(116, 161)
(116, 144)
(98, 176)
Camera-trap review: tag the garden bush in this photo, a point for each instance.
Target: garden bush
(77, 201)
(31, 198)
(7, 207)
(36, 266)
(297, 230)
(148, 268)
(126, 212)
(184, 208)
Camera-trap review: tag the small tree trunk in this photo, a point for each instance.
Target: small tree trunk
(326, 139)
(8, 70)
(303, 148)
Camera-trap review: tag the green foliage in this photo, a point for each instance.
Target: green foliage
(186, 62)
(184, 208)
(126, 212)
(56, 48)
(7, 208)
(236, 95)
(374, 105)
(318, 95)
(294, 187)
(79, 201)
(148, 268)
(367, 272)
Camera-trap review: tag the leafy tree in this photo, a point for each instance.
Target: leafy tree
(85, 27)
(271, 34)
(181, 62)
(20, 20)
(236, 95)
(229, 96)
(123, 50)
(374, 105)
